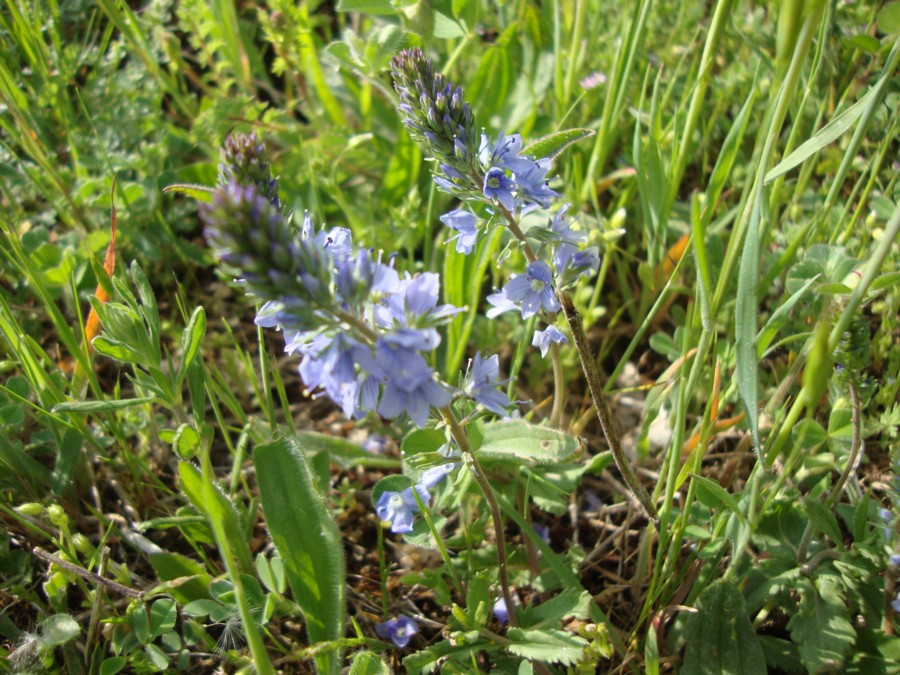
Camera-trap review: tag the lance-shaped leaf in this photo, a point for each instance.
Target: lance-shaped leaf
(307, 540)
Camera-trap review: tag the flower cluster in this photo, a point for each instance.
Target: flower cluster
(501, 176)
(361, 328)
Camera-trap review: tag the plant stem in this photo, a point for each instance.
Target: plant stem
(596, 389)
(855, 447)
(559, 386)
(462, 440)
(593, 380)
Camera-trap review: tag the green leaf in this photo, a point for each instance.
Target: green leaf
(113, 665)
(189, 579)
(823, 519)
(115, 349)
(190, 342)
(157, 656)
(520, 441)
(186, 441)
(219, 508)
(200, 608)
(547, 645)
(779, 317)
(745, 323)
(821, 628)
(825, 136)
(366, 6)
(163, 614)
(201, 193)
(719, 636)
(140, 622)
(713, 495)
(307, 540)
(422, 440)
(57, 630)
(368, 663)
(553, 144)
(426, 660)
(888, 18)
(99, 406)
(570, 602)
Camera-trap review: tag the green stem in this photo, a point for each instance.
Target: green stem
(462, 440)
(559, 386)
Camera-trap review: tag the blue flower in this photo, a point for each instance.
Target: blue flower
(398, 630)
(895, 559)
(501, 304)
(501, 613)
(533, 290)
(499, 188)
(375, 443)
(543, 338)
(482, 384)
(464, 223)
(568, 240)
(414, 303)
(504, 153)
(409, 385)
(585, 263)
(895, 603)
(398, 508)
(531, 182)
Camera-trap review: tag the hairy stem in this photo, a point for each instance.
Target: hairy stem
(855, 447)
(596, 389)
(462, 440)
(593, 380)
(559, 386)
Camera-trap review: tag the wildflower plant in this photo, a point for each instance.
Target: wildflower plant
(420, 254)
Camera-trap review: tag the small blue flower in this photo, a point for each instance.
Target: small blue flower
(531, 182)
(398, 630)
(895, 559)
(464, 223)
(585, 263)
(569, 240)
(398, 508)
(501, 613)
(501, 304)
(543, 338)
(534, 289)
(482, 384)
(895, 603)
(375, 443)
(409, 385)
(414, 303)
(498, 187)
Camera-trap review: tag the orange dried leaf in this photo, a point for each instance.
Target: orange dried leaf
(92, 325)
